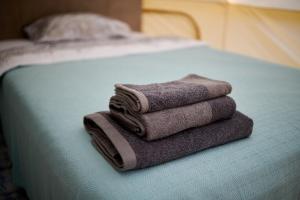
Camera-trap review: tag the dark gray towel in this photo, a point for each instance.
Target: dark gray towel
(163, 123)
(126, 151)
(160, 96)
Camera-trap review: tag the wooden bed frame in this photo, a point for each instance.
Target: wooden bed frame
(15, 14)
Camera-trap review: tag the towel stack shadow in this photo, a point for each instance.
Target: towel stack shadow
(155, 123)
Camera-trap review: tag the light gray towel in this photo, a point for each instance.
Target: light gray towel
(163, 123)
(159, 96)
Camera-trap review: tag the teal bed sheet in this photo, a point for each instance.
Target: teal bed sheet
(42, 109)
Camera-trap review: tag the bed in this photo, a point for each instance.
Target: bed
(44, 99)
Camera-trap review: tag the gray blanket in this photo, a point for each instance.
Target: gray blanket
(159, 96)
(156, 125)
(126, 151)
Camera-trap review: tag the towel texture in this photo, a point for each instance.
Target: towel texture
(126, 151)
(160, 96)
(163, 123)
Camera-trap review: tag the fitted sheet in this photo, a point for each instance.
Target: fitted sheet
(42, 109)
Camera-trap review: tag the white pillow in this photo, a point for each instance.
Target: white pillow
(80, 26)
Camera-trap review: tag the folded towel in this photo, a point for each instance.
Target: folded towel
(126, 151)
(160, 96)
(156, 125)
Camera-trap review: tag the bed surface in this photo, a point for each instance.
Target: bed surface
(42, 109)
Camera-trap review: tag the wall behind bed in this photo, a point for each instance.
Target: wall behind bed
(267, 33)
(15, 14)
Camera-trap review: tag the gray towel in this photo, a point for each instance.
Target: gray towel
(163, 123)
(160, 96)
(126, 151)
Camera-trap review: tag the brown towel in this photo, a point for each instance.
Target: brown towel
(156, 125)
(159, 96)
(126, 151)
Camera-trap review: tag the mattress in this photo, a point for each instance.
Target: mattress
(42, 108)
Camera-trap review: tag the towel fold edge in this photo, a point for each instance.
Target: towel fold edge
(144, 103)
(120, 144)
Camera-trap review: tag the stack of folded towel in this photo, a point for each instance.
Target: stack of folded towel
(151, 124)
